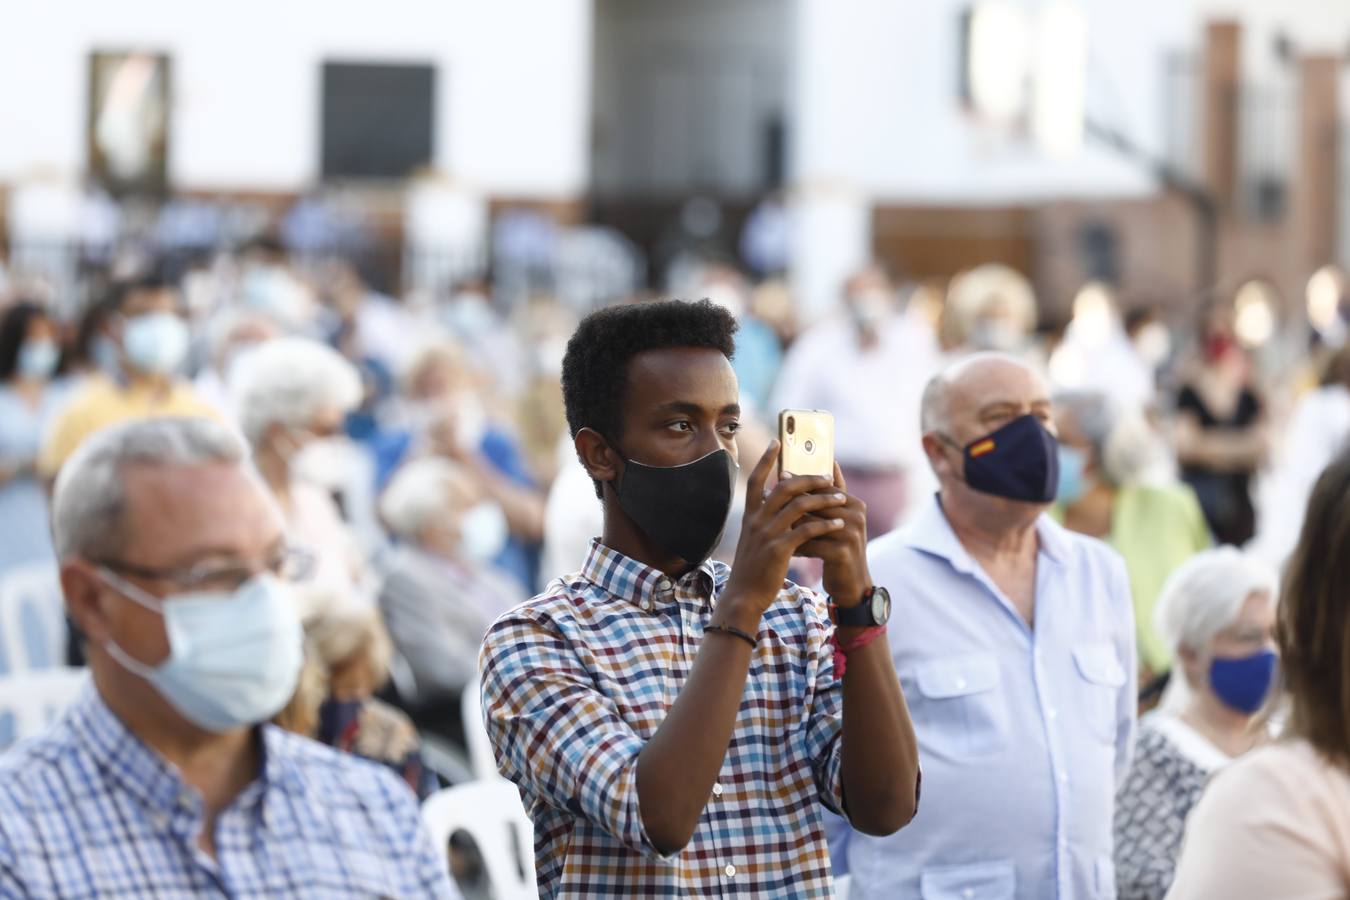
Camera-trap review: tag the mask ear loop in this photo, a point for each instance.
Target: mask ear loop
(135, 594)
(141, 598)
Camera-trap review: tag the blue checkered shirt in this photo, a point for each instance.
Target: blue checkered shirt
(577, 680)
(88, 810)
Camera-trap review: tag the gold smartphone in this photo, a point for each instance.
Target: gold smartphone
(805, 443)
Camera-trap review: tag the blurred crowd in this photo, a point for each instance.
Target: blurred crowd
(416, 444)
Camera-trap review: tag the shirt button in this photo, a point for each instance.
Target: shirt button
(730, 870)
(1063, 777)
(1051, 714)
(663, 584)
(647, 605)
(717, 790)
(968, 893)
(960, 684)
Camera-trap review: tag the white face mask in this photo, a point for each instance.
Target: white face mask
(471, 421)
(483, 532)
(38, 359)
(1153, 343)
(156, 342)
(326, 462)
(234, 658)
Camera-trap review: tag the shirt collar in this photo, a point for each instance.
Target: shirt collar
(627, 579)
(932, 533)
(150, 779)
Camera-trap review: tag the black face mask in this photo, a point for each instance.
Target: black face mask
(1019, 461)
(683, 509)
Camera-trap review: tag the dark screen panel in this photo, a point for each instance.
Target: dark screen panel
(378, 120)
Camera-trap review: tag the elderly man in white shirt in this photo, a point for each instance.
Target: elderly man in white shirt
(867, 367)
(1017, 657)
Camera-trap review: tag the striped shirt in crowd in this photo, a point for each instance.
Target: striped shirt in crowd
(577, 680)
(87, 810)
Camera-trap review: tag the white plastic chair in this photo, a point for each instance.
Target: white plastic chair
(481, 761)
(32, 626)
(30, 701)
(490, 812)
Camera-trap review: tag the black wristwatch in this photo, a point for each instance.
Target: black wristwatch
(875, 609)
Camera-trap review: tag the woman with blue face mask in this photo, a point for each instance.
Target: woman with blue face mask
(30, 353)
(1217, 615)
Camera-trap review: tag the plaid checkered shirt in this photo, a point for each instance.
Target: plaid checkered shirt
(578, 679)
(87, 810)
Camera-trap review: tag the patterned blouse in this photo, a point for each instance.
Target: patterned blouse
(1172, 765)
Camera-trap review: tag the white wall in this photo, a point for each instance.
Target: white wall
(513, 84)
(876, 103)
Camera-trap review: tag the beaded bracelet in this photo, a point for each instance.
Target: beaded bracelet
(734, 631)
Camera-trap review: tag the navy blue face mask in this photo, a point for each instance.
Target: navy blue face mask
(1019, 461)
(1243, 684)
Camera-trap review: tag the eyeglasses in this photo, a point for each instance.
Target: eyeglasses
(288, 564)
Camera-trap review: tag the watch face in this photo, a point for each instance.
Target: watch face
(881, 605)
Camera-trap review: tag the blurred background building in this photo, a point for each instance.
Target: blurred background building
(1167, 147)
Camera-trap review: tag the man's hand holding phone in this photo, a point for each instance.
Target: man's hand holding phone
(778, 523)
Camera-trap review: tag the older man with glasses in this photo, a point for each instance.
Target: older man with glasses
(162, 780)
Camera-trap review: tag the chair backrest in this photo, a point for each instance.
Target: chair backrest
(490, 812)
(481, 760)
(30, 701)
(32, 624)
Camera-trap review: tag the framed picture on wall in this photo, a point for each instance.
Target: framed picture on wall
(129, 119)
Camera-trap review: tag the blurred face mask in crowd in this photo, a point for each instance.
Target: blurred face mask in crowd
(483, 532)
(1153, 343)
(234, 657)
(870, 309)
(273, 291)
(1072, 478)
(469, 315)
(1019, 461)
(38, 359)
(156, 342)
(323, 461)
(1243, 684)
(338, 720)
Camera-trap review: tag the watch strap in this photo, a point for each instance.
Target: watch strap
(858, 616)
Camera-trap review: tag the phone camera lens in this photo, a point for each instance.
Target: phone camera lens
(792, 425)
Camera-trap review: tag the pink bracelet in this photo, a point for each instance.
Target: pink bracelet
(841, 651)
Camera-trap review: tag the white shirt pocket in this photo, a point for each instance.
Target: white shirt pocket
(979, 881)
(958, 707)
(1102, 678)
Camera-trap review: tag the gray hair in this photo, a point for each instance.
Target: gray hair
(1093, 412)
(1128, 449)
(90, 496)
(933, 406)
(1206, 594)
(417, 493)
(288, 381)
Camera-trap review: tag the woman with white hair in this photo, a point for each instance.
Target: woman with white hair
(441, 592)
(1118, 483)
(1217, 616)
(292, 397)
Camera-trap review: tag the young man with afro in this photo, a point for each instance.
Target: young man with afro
(675, 725)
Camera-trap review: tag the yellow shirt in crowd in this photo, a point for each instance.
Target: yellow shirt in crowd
(102, 401)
